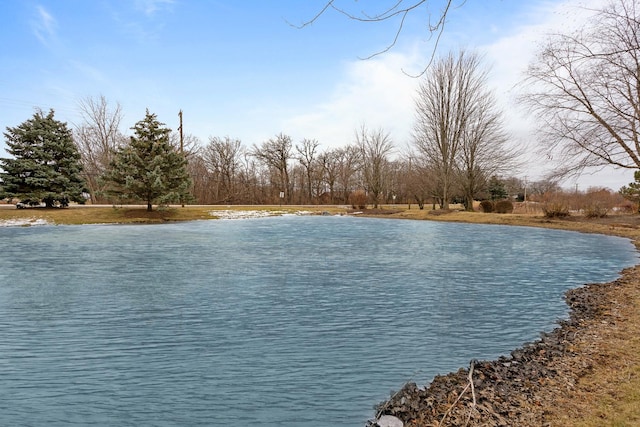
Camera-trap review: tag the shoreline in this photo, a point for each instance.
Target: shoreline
(534, 385)
(584, 372)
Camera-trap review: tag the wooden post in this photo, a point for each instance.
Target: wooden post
(181, 138)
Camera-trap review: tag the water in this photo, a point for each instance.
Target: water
(289, 321)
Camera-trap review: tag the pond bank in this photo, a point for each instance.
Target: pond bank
(586, 372)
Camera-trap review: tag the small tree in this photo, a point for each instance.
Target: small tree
(307, 157)
(632, 191)
(97, 138)
(374, 147)
(496, 189)
(149, 168)
(46, 164)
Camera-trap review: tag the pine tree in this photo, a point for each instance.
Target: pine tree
(632, 190)
(497, 189)
(45, 166)
(149, 168)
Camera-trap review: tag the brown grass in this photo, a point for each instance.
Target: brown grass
(609, 394)
(134, 214)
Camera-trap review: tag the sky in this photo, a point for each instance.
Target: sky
(244, 68)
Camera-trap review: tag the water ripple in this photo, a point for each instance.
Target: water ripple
(297, 321)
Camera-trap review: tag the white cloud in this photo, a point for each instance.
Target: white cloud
(44, 26)
(510, 56)
(374, 92)
(377, 93)
(150, 7)
(90, 72)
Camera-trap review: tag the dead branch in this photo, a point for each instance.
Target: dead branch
(464, 390)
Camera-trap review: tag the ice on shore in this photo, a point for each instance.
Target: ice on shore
(239, 214)
(23, 222)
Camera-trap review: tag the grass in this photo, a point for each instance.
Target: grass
(609, 395)
(134, 214)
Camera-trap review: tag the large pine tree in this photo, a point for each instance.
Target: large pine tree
(149, 168)
(45, 166)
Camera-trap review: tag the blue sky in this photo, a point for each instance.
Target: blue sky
(238, 68)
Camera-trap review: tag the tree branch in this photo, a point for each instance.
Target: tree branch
(396, 10)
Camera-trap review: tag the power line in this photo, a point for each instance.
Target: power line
(10, 102)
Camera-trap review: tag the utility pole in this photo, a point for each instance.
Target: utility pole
(181, 138)
(525, 194)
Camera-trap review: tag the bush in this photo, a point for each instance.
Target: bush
(503, 206)
(555, 210)
(486, 206)
(596, 211)
(358, 199)
(627, 207)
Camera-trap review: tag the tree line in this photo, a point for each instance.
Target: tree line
(583, 87)
(459, 146)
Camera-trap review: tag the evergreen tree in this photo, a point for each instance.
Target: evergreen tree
(632, 191)
(149, 168)
(496, 189)
(45, 166)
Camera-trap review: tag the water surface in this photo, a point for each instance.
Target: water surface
(288, 321)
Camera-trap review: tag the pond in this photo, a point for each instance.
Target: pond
(285, 321)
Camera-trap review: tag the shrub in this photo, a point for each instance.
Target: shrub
(503, 206)
(627, 207)
(486, 206)
(358, 199)
(596, 211)
(555, 209)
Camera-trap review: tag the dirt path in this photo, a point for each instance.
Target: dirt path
(584, 373)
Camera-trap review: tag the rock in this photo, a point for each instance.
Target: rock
(509, 391)
(389, 421)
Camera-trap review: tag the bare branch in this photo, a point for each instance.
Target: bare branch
(585, 90)
(398, 10)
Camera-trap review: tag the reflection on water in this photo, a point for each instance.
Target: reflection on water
(291, 321)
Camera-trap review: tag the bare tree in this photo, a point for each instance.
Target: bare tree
(544, 186)
(276, 154)
(97, 138)
(248, 179)
(484, 151)
(420, 180)
(375, 147)
(585, 90)
(307, 158)
(223, 157)
(349, 163)
(447, 103)
(329, 163)
(201, 179)
(322, 184)
(190, 145)
(395, 11)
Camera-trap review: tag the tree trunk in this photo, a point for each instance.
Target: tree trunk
(149, 207)
(444, 202)
(468, 202)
